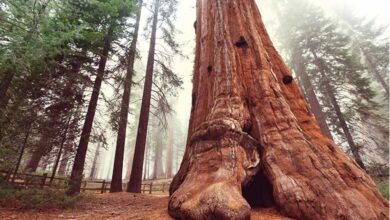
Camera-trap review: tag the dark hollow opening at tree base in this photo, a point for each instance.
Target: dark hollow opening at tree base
(258, 192)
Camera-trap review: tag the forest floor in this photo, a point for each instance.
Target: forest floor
(118, 206)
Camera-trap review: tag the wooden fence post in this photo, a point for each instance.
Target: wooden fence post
(84, 185)
(103, 187)
(43, 182)
(150, 187)
(8, 175)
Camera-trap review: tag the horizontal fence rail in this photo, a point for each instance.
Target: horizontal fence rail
(97, 186)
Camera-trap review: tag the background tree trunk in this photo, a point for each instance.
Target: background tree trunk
(246, 103)
(312, 99)
(5, 83)
(64, 161)
(94, 163)
(116, 182)
(22, 149)
(136, 170)
(158, 165)
(130, 161)
(330, 93)
(60, 149)
(374, 71)
(79, 161)
(169, 158)
(37, 154)
(145, 171)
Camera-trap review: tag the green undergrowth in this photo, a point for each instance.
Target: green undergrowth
(36, 199)
(384, 188)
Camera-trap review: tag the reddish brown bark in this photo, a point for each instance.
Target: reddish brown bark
(136, 170)
(243, 108)
(116, 182)
(79, 161)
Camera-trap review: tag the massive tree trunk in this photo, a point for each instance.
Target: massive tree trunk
(249, 105)
(136, 170)
(116, 182)
(312, 98)
(169, 160)
(79, 161)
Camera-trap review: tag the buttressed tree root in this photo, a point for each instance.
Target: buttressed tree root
(247, 109)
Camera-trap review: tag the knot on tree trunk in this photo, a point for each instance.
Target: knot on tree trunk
(242, 43)
(287, 79)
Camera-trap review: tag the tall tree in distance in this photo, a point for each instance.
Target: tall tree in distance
(169, 148)
(250, 121)
(343, 95)
(116, 182)
(134, 184)
(165, 81)
(158, 153)
(94, 168)
(111, 20)
(78, 165)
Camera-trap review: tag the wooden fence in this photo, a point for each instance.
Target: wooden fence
(96, 186)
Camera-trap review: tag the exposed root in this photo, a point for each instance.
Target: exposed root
(222, 159)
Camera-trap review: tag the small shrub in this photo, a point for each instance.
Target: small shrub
(39, 199)
(384, 188)
(44, 199)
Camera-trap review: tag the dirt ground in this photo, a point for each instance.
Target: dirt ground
(118, 206)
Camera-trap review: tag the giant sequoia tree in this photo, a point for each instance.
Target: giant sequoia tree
(160, 81)
(251, 127)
